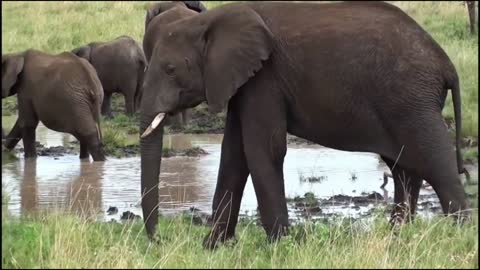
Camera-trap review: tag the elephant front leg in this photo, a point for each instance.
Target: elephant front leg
(232, 177)
(264, 129)
(28, 136)
(13, 137)
(265, 158)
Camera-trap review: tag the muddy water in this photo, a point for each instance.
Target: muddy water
(92, 187)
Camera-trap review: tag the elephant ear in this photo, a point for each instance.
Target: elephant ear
(236, 43)
(195, 5)
(12, 66)
(156, 9)
(83, 52)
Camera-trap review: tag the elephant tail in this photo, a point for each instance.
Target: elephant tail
(96, 117)
(454, 85)
(96, 100)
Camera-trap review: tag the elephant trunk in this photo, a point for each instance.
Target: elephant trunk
(151, 157)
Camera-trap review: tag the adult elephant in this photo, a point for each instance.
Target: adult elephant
(159, 15)
(63, 91)
(353, 76)
(120, 65)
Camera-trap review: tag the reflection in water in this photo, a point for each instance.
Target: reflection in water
(90, 188)
(84, 193)
(28, 190)
(181, 189)
(385, 193)
(37, 192)
(177, 142)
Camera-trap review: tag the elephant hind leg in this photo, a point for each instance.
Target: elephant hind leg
(406, 192)
(185, 117)
(84, 154)
(129, 92)
(429, 154)
(91, 143)
(129, 104)
(94, 146)
(106, 105)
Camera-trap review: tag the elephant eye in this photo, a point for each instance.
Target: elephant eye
(169, 69)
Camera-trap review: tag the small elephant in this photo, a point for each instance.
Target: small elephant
(63, 91)
(352, 76)
(120, 65)
(157, 16)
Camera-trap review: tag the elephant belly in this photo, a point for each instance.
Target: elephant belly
(346, 130)
(55, 116)
(54, 123)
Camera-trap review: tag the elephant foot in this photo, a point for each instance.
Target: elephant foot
(217, 237)
(84, 159)
(30, 156)
(84, 155)
(99, 157)
(399, 215)
(461, 217)
(277, 233)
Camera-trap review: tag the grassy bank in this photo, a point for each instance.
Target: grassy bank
(60, 241)
(61, 26)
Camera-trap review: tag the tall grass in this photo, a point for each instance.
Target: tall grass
(61, 26)
(59, 241)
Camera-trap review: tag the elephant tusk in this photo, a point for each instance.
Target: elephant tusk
(156, 121)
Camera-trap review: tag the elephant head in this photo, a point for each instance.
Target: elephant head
(207, 57)
(159, 8)
(190, 54)
(12, 66)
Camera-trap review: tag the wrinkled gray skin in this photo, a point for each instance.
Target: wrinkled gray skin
(158, 15)
(353, 76)
(63, 91)
(120, 65)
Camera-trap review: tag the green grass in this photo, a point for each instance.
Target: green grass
(470, 153)
(120, 135)
(61, 26)
(60, 241)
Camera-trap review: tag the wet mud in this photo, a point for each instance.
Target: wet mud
(320, 183)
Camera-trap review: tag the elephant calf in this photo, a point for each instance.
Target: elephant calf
(120, 65)
(63, 91)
